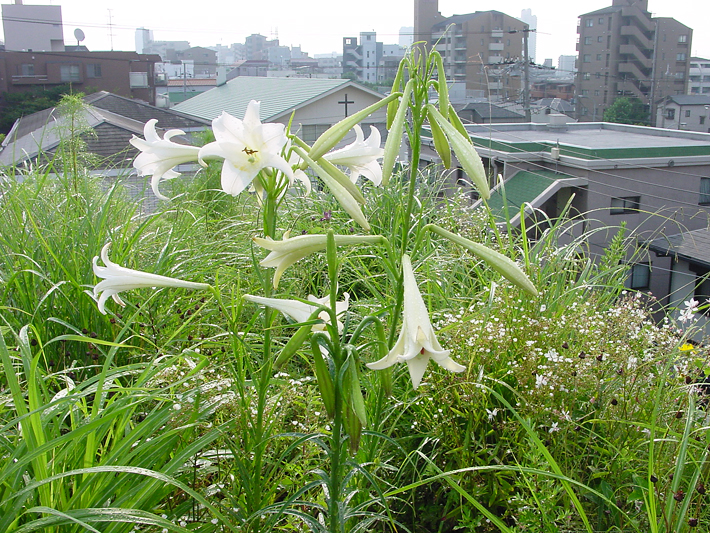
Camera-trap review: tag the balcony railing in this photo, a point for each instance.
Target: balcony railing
(30, 80)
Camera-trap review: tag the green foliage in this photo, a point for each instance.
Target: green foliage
(627, 110)
(16, 105)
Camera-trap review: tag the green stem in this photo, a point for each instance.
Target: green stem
(264, 378)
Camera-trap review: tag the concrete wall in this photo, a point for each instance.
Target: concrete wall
(35, 28)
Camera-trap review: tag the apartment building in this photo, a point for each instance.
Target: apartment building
(483, 49)
(624, 51)
(699, 76)
(124, 73)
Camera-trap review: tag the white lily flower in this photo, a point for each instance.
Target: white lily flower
(417, 342)
(247, 146)
(118, 279)
(286, 252)
(301, 312)
(360, 157)
(159, 156)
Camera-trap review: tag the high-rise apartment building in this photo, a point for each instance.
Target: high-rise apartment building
(483, 49)
(624, 51)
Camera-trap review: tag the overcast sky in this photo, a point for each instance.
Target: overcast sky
(318, 26)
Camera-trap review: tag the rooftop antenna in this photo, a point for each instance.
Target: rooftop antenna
(110, 28)
(79, 34)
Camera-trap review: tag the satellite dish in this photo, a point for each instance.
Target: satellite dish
(79, 34)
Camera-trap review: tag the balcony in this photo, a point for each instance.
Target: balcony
(497, 34)
(639, 16)
(495, 46)
(494, 59)
(636, 33)
(30, 80)
(636, 55)
(632, 71)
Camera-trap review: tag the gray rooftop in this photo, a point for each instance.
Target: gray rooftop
(590, 135)
(691, 246)
(690, 99)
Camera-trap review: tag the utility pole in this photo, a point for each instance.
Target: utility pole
(526, 76)
(526, 73)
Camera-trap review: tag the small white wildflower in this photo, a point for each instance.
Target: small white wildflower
(553, 428)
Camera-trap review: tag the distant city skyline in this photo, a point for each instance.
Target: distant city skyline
(318, 26)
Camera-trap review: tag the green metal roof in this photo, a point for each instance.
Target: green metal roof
(523, 187)
(277, 96)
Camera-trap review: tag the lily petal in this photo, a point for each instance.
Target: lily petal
(417, 342)
(118, 279)
(159, 156)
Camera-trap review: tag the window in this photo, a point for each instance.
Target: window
(587, 58)
(483, 42)
(69, 73)
(587, 40)
(596, 92)
(310, 132)
(597, 75)
(704, 198)
(507, 43)
(608, 41)
(589, 23)
(702, 120)
(599, 39)
(670, 114)
(587, 76)
(601, 20)
(625, 205)
(599, 57)
(682, 38)
(608, 56)
(639, 276)
(93, 70)
(27, 69)
(687, 113)
(680, 57)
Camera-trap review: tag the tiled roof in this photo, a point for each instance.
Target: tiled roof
(114, 120)
(691, 246)
(485, 110)
(142, 112)
(690, 99)
(278, 96)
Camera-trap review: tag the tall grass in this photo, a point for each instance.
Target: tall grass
(572, 404)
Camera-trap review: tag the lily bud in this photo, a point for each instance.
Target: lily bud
(465, 153)
(502, 264)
